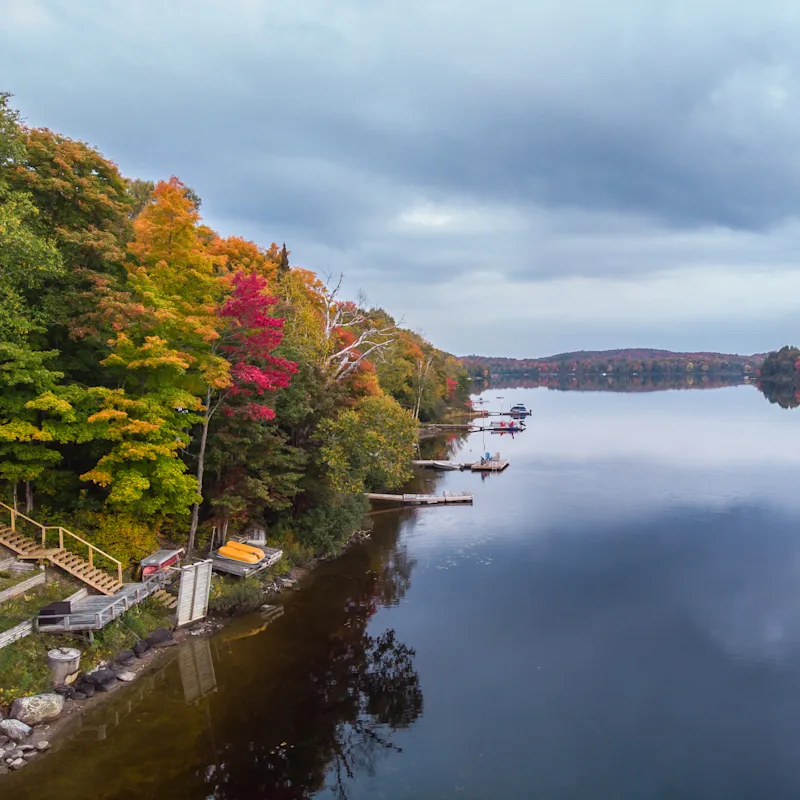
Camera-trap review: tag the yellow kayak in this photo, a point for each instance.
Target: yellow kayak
(235, 554)
(245, 548)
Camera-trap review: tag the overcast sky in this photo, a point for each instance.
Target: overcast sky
(515, 177)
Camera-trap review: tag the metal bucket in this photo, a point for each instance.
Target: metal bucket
(63, 662)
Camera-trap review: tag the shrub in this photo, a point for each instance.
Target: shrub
(235, 595)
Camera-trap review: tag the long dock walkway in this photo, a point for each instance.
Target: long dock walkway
(441, 464)
(424, 499)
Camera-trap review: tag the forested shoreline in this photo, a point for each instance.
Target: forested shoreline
(158, 379)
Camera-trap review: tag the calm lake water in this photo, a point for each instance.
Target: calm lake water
(617, 616)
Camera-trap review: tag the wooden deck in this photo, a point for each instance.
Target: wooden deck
(94, 612)
(272, 555)
(446, 498)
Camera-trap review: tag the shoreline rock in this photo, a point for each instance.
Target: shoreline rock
(37, 709)
(16, 730)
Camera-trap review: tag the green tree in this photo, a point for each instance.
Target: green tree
(368, 446)
(26, 449)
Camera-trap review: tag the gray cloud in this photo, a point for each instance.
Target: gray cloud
(532, 140)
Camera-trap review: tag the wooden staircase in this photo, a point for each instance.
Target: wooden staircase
(165, 598)
(28, 548)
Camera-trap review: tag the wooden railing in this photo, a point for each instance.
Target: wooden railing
(17, 515)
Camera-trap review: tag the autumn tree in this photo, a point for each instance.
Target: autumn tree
(247, 342)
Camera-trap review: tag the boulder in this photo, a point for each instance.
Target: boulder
(126, 676)
(3, 740)
(125, 658)
(80, 695)
(103, 680)
(26, 748)
(12, 754)
(43, 745)
(141, 647)
(38, 709)
(18, 763)
(86, 688)
(30, 755)
(15, 730)
(160, 637)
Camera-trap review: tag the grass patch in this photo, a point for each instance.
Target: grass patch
(23, 669)
(23, 665)
(123, 633)
(9, 579)
(23, 607)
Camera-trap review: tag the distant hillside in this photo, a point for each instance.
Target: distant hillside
(626, 361)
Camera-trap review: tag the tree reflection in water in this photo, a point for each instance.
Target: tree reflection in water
(341, 697)
(383, 695)
(783, 393)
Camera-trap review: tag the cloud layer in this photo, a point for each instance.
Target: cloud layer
(579, 174)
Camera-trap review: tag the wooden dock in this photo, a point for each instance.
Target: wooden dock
(442, 464)
(449, 426)
(272, 555)
(445, 498)
(94, 612)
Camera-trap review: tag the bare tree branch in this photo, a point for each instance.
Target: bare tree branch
(339, 315)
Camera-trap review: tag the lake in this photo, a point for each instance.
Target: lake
(616, 616)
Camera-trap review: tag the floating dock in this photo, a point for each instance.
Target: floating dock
(445, 498)
(272, 555)
(492, 465)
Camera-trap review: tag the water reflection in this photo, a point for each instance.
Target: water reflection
(783, 393)
(332, 701)
(196, 669)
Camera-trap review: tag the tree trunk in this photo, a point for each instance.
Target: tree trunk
(28, 497)
(201, 457)
(15, 497)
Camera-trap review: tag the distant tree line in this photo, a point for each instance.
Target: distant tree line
(591, 365)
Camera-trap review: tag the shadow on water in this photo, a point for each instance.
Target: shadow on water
(310, 701)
